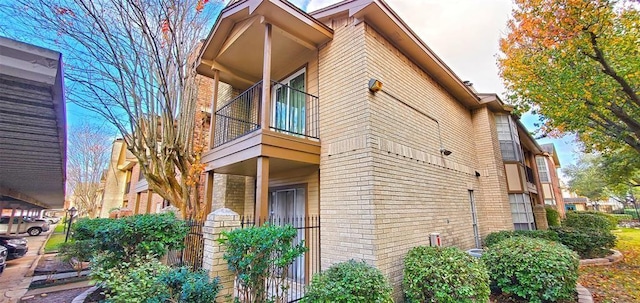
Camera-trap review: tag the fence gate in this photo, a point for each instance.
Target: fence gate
(303, 268)
(193, 251)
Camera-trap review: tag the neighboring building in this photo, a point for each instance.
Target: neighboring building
(576, 203)
(117, 179)
(548, 165)
(345, 113)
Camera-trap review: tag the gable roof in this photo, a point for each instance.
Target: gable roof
(379, 15)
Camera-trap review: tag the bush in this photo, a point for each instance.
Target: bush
(253, 254)
(433, 274)
(622, 217)
(632, 212)
(591, 219)
(120, 240)
(496, 237)
(352, 282)
(183, 285)
(145, 279)
(587, 242)
(553, 216)
(129, 282)
(532, 269)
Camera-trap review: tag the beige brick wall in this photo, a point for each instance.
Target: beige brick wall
(346, 170)
(494, 211)
(384, 184)
(413, 197)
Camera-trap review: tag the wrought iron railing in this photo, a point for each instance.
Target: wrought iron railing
(238, 117)
(304, 267)
(294, 111)
(529, 175)
(193, 252)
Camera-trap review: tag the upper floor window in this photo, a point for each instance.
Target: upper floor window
(543, 169)
(508, 138)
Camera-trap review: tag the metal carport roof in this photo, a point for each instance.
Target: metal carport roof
(32, 126)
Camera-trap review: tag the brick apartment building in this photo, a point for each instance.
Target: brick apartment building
(345, 113)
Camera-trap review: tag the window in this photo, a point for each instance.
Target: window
(288, 108)
(508, 138)
(543, 169)
(521, 212)
(549, 202)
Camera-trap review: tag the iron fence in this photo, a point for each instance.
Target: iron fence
(304, 267)
(192, 253)
(239, 116)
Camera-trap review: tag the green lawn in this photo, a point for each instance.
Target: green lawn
(619, 282)
(59, 228)
(56, 239)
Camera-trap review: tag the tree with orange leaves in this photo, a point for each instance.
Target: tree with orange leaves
(577, 64)
(131, 62)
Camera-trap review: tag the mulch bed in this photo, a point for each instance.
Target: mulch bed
(63, 296)
(95, 297)
(503, 298)
(51, 263)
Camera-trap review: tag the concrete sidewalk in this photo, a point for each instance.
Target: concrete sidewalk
(14, 281)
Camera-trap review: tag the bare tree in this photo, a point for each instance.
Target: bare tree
(131, 61)
(87, 158)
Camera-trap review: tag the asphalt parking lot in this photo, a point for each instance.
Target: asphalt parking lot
(13, 281)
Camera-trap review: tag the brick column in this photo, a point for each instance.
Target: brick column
(222, 219)
(540, 215)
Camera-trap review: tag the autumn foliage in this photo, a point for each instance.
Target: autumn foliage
(577, 64)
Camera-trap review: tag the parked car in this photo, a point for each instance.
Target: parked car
(52, 220)
(21, 225)
(3, 258)
(16, 246)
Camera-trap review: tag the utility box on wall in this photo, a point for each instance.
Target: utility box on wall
(435, 239)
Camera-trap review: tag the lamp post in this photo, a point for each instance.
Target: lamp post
(72, 212)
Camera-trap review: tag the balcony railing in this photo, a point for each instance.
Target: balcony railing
(293, 112)
(529, 175)
(239, 116)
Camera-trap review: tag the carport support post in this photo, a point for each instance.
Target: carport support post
(219, 221)
(13, 214)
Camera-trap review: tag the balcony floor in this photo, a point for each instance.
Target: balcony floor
(286, 153)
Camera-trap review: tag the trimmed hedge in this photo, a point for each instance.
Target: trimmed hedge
(632, 212)
(434, 274)
(553, 216)
(536, 270)
(622, 217)
(590, 219)
(496, 237)
(587, 242)
(351, 281)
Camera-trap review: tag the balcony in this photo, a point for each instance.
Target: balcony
(531, 181)
(293, 112)
(292, 140)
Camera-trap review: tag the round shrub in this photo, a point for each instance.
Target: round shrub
(351, 281)
(596, 220)
(533, 269)
(587, 242)
(434, 274)
(496, 237)
(553, 217)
